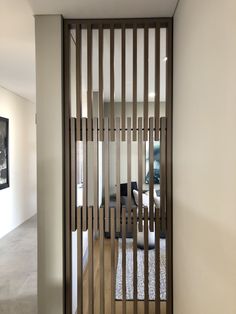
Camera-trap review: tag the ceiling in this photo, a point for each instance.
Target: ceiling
(105, 8)
(17, 48)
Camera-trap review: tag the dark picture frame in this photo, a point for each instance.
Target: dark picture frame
(4, 153)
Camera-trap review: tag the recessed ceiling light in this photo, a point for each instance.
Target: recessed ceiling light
(165, 59)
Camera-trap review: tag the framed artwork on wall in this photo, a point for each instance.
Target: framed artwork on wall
(4, 153)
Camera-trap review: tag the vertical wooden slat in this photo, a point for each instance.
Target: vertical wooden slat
(73, 188)
(106, 173)
(163, 174)
(146, 279)
(123, 82)
(79, 261)
(101, 260)
(113, 271)
(67, 115)
(135, 82)
(78, 81)
(95, 172)
(140, 172)
(101, 104)
(169, 200)
(145, 103)
(123, 260)
(151, 171)
(112, 77)
(157, 261)
(90, 79)
(157, 82)
(85, 173)
(129, 171)
(135, 286)
(90, 262)
(118, 220)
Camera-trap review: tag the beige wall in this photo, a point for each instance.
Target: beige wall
(205, 157)
(18, 202)
(50, 163)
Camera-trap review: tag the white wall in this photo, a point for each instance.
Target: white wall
(205, 157)
(18, 202)
(50, 163)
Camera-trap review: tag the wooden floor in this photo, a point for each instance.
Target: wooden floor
(107, 271)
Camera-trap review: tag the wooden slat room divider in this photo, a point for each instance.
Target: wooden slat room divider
(92, 127)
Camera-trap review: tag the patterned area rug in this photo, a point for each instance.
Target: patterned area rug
(140, 273)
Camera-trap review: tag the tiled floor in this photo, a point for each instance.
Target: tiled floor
(18, 270)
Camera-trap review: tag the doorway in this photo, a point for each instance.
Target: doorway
(118, 166)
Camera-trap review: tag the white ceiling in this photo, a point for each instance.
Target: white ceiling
(105, 8)
(17, 56)
(17, 49)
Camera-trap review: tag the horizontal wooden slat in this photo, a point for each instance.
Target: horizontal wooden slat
(119, 23)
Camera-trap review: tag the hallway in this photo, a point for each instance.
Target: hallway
(18, 270)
